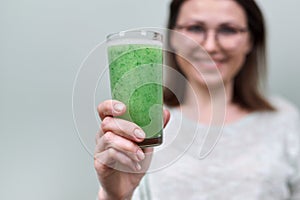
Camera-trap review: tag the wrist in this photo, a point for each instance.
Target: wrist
(102, 195)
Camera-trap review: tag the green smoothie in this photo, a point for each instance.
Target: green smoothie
(136, 80)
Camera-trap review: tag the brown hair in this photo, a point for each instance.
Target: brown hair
(246, 91)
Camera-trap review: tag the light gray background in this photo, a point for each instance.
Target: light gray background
(42, 44)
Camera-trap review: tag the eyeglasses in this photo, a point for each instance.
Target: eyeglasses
(227, 36)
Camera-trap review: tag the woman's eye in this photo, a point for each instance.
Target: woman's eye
(196, 29)
(228, 31)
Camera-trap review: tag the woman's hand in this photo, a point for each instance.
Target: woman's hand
(120, 163)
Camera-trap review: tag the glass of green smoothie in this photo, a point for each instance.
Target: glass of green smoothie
(135, 67)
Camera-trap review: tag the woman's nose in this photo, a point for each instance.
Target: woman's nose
(210, 43)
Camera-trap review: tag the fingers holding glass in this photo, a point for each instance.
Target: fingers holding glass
(111, 108)
(117, 152)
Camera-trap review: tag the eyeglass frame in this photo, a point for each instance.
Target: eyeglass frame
(238, 30)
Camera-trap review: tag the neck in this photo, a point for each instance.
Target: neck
(208, 104)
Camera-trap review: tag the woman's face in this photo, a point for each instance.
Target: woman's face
(216, 40)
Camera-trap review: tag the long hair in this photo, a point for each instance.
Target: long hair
(247, 83)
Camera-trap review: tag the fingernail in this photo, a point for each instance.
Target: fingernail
(140, 155)
(118, 107)
(138, 166)
(139, 133)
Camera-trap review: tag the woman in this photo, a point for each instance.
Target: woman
(257, 156)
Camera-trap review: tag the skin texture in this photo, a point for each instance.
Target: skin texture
(224, 64)
(119, 162)
(227, 62)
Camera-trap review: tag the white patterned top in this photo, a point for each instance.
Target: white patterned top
(255, 158)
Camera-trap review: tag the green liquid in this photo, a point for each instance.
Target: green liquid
(136, 80)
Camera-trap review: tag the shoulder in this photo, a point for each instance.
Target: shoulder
(284, 106)
(289, 123)
(287, 119)
(284, 119)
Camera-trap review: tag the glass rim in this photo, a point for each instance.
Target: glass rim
(143, 34)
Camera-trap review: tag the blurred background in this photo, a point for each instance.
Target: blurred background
(42, 46)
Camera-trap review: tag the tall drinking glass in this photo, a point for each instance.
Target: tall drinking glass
(135, 67)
